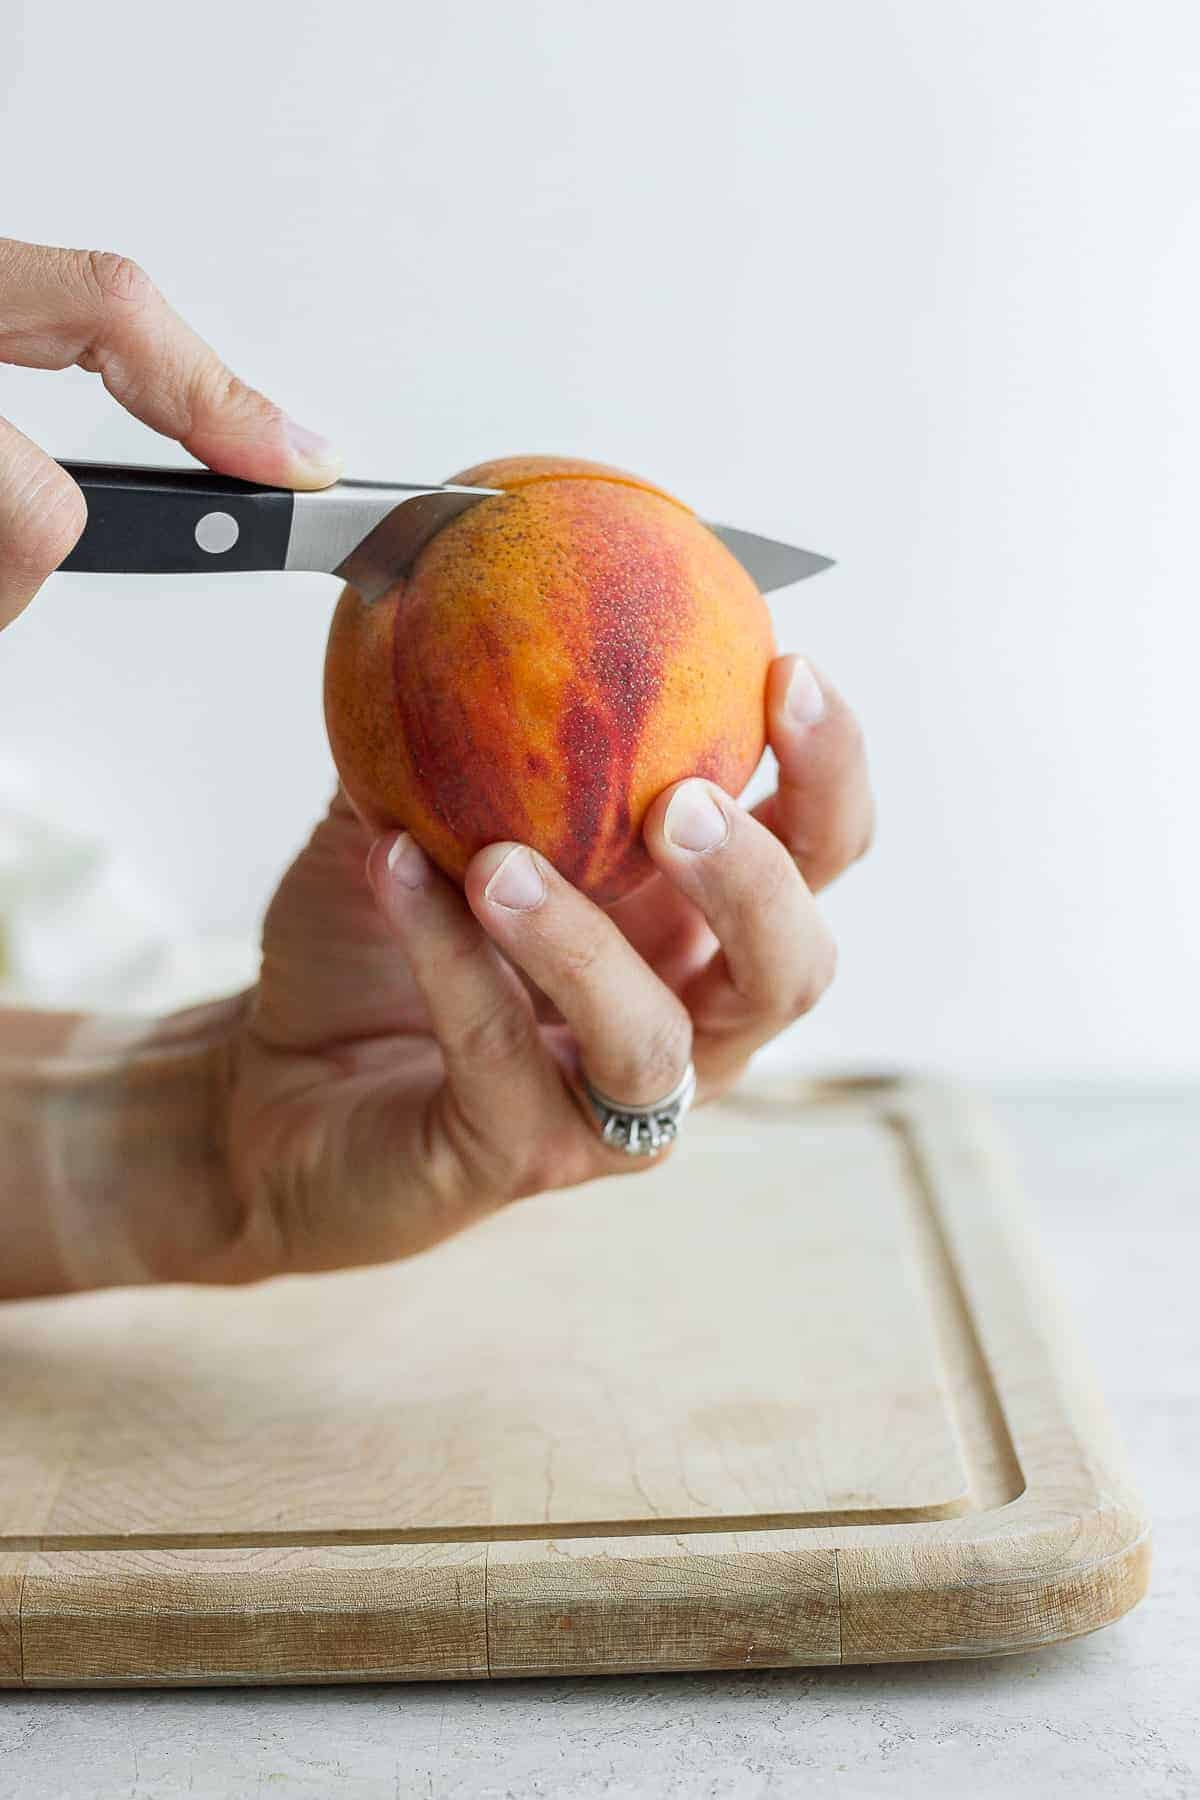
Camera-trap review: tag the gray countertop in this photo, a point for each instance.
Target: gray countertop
(1117, 1170)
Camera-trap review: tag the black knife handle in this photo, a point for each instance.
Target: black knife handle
(177, 522)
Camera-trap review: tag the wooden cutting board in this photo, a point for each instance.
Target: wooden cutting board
(801, 1395)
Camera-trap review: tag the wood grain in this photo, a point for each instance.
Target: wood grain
(343, 1613)
(12, 1573)
(613, 1358)
(720, 1600)
(802, 1395)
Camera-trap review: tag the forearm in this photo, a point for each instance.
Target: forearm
(112, 1151)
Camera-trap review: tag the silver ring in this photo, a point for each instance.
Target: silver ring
(641, 1130)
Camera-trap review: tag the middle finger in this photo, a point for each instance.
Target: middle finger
(777, 955)
(634, 1034)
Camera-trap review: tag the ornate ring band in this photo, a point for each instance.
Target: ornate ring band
(641, 1130)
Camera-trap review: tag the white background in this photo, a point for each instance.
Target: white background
(913, 283)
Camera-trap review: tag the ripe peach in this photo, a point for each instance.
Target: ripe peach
(557, 656)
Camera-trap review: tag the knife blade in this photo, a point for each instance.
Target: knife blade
(769, 563)
(149, 521)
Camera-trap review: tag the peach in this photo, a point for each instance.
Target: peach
(557, 656)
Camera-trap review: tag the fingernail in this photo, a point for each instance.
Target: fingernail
(805, 703)
(694, 821)
(518, 883)
(311, 447)
(407, 862)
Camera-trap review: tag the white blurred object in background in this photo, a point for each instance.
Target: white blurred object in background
(77, 926)
(80, 927)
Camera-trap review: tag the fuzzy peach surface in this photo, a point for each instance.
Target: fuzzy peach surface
(557, 657)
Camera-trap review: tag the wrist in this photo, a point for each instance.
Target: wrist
(113, 1166)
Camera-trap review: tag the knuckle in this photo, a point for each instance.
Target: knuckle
(582, 957)
(770, 892)
(116, 280)
(668, 1050)
(468, 1155)
(822, 859)
(847, 845)
(498, 1035)
(773, 889)
(217, 390)
(651, 1068)
(499, 1166)
(812, 981)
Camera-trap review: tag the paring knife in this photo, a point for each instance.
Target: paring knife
(191, 522)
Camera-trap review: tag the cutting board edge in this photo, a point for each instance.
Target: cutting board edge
(12, 1581)
(1057, 1567)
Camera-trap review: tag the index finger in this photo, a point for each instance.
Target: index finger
(102, 312)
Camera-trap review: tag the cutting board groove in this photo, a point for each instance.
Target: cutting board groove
(979, 1418)
(802, 1395)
